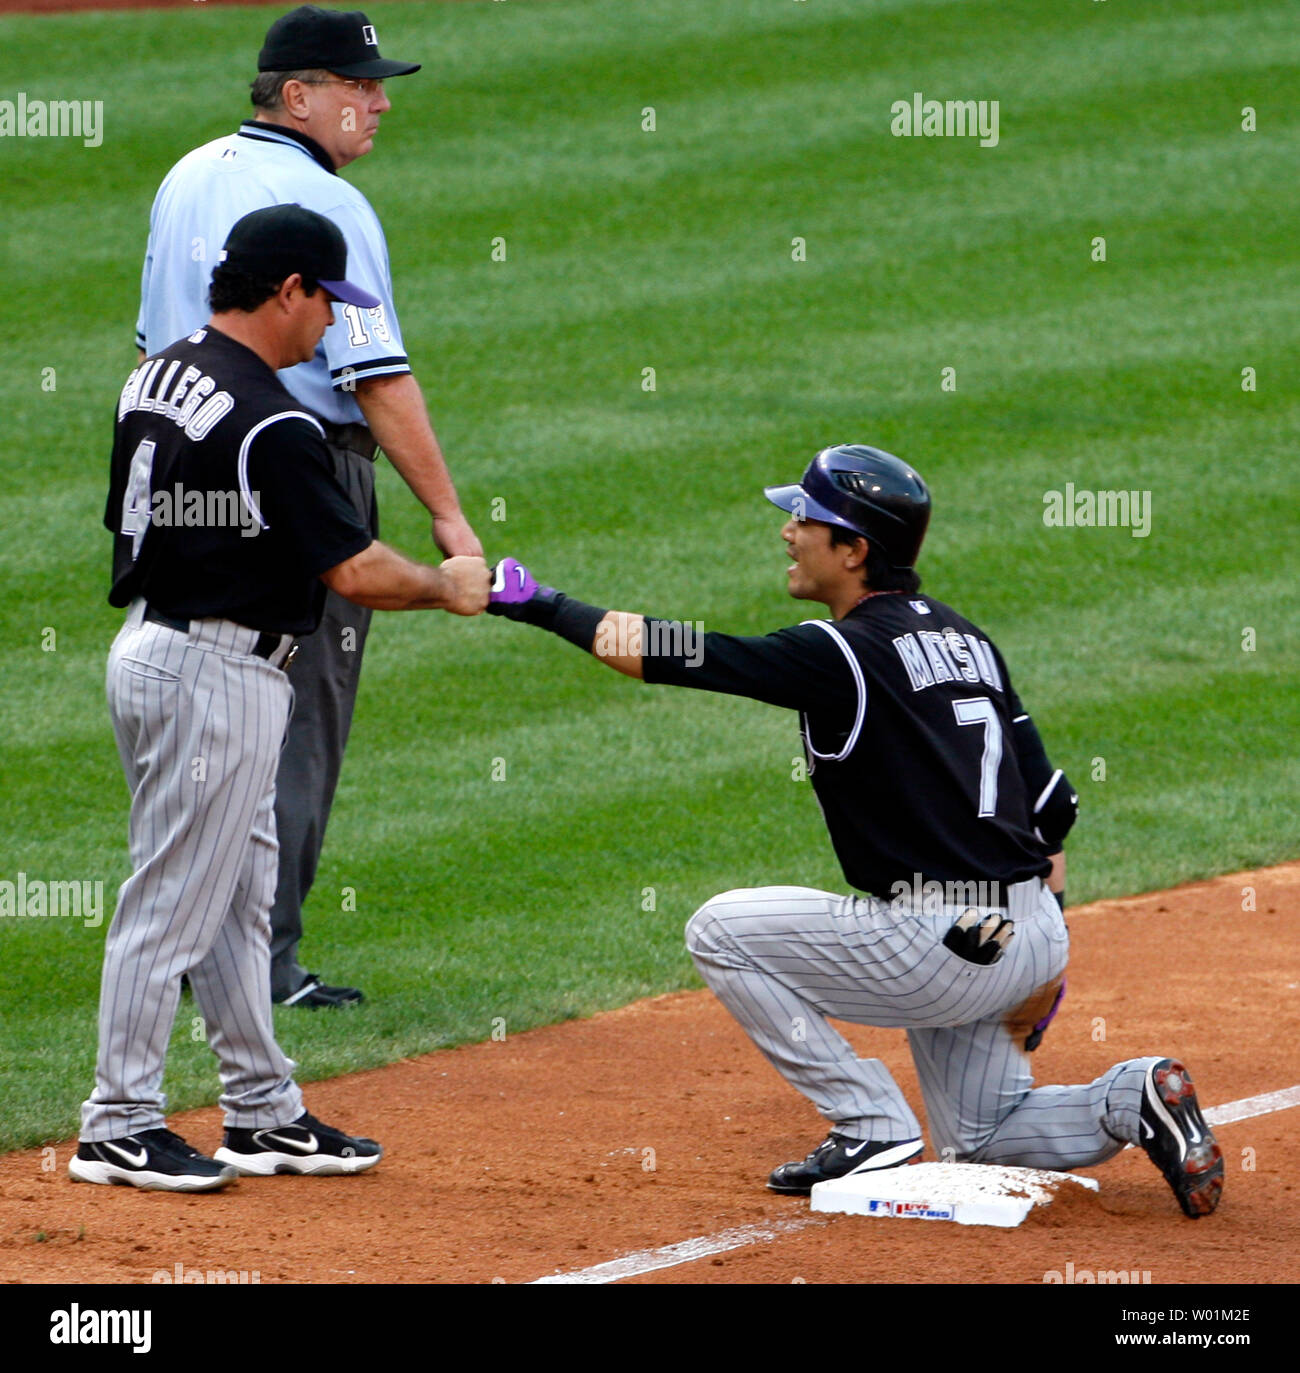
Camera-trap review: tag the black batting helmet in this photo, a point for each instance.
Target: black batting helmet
(867, 491)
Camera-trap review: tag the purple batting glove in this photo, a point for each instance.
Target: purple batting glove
(516, 595)
(512, 583)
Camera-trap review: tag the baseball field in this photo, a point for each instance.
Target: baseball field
(649, 257)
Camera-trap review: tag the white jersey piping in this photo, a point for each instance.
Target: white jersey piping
(856, 668)
(245, 494)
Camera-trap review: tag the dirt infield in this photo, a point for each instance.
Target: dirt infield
(567, 1147)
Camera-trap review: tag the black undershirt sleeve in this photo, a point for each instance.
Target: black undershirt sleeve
(1031, 756)
(1035, 767)
(801, 668)
(1053, 808)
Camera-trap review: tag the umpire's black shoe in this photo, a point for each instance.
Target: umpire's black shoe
(315, 995)
(153, 1160)
(837, 1156)
(1177, 1139)
(306, 1146)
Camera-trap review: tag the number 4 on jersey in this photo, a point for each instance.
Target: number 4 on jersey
(979, 710)
(137, 500)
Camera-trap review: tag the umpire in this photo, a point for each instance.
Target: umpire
(229, 523)
(318, 97)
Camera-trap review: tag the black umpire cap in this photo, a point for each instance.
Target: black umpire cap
(864, 490)
(276, 242)
(341, 41)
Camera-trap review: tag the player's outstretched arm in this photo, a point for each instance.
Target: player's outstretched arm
(380, 577)
(618, 642)
(613, 637)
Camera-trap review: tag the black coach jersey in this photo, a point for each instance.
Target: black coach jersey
(222, 500)
(907, 715)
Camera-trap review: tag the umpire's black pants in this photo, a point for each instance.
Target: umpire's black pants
(325, 675)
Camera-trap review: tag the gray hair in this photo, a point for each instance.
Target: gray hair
(267, 89)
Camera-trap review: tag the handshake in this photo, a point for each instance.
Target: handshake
(515, 594)
(468, 586)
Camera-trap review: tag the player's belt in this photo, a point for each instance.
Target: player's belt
(355, 438)
(265, 647)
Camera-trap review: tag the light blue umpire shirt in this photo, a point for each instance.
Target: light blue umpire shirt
(195, 208)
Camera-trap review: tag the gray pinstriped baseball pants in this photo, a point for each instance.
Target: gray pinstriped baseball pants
(199, 721)
(782, 959)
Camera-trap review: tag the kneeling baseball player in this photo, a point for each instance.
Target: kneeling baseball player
(943, 807)
(229, 524)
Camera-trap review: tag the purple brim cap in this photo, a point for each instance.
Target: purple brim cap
(351, 295)
(798, 502)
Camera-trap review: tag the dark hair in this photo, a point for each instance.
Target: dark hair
(876, 572)
(267, 88)
(234, 289)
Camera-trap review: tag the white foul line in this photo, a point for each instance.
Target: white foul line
(687, 1251)
(1253, 1106)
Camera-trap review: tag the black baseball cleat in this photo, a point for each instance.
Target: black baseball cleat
(315, 995)
(1177, 1139)
(306, 1146)
(837, 1156)
(152, 1160)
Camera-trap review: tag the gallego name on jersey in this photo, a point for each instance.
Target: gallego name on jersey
(193, 403)
(946, 655)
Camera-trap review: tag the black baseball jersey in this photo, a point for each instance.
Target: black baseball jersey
(910, 730)
(221, 495)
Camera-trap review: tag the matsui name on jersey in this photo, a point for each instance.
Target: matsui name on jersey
(946, 655)
(193, 403)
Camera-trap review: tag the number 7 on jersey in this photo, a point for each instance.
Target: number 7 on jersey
(979, 710)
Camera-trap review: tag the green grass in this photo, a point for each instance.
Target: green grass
(524, 899)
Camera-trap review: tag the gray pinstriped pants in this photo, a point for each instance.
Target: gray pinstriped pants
(782, 959)
(199, 721)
